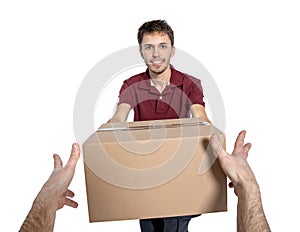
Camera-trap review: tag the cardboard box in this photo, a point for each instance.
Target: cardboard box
(152, 169)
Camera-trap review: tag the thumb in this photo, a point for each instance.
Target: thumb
(217, 146)
(75, 153)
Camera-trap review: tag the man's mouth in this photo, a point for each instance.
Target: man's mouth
(157, 62)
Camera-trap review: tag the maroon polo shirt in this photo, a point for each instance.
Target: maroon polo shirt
(174, 102)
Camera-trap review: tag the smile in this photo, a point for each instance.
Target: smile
(157, 62)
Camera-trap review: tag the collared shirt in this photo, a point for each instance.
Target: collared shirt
(174, 101)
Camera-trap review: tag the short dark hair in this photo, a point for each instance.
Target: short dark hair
(155, 26)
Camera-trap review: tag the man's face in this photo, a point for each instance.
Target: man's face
(156, 51)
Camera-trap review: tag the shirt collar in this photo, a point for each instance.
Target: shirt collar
(175, 80)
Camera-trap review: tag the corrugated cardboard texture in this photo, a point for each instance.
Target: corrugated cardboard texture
(153, 169)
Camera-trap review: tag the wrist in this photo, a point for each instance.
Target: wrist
(46, 200)
(248, 190)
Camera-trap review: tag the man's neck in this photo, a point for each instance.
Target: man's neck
(161, 80)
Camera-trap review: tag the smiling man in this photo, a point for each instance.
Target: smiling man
(161, 92)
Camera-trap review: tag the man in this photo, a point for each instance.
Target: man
(250, 213)
(53, 196)
(162, 92)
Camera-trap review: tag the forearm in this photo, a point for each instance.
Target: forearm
(116, 118)
(41, 216)
(250, 213)
(121, 113)
(198, 111)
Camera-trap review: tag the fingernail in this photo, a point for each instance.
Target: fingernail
(75, 147)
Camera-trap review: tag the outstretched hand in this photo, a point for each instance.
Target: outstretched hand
(53, 196)
(61, 178)
(235, 166)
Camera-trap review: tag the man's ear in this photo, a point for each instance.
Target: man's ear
(173, 51)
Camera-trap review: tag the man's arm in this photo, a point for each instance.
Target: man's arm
(121, 113)
(197, 111)
(41, 216)
(53, 196)
(250, 213)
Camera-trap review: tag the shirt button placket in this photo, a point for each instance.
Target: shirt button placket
(160, 105)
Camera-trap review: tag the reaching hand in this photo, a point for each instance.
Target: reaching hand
(235, 166)
(53, 196)
(61, 178)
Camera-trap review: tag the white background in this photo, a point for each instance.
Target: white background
(251, 48)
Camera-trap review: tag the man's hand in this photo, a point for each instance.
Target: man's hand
(250, 213)
(235, 166)
(53, 196)
(61, 178)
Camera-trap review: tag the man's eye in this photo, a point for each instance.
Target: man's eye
(147, 47)
(163, 46)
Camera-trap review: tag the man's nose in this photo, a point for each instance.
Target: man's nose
(156, 52)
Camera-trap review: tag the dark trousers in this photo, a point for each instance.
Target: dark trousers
(171, 224)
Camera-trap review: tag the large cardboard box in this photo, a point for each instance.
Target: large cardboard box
(153, 169)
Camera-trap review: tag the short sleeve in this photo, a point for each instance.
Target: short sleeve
(195, 93)
(126, 94)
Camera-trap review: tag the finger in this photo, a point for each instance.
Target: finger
(217, 147)
(239, 142)
(69, 193)
(247, 148)
(71, 203)
(75, 153)
(57, 161)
